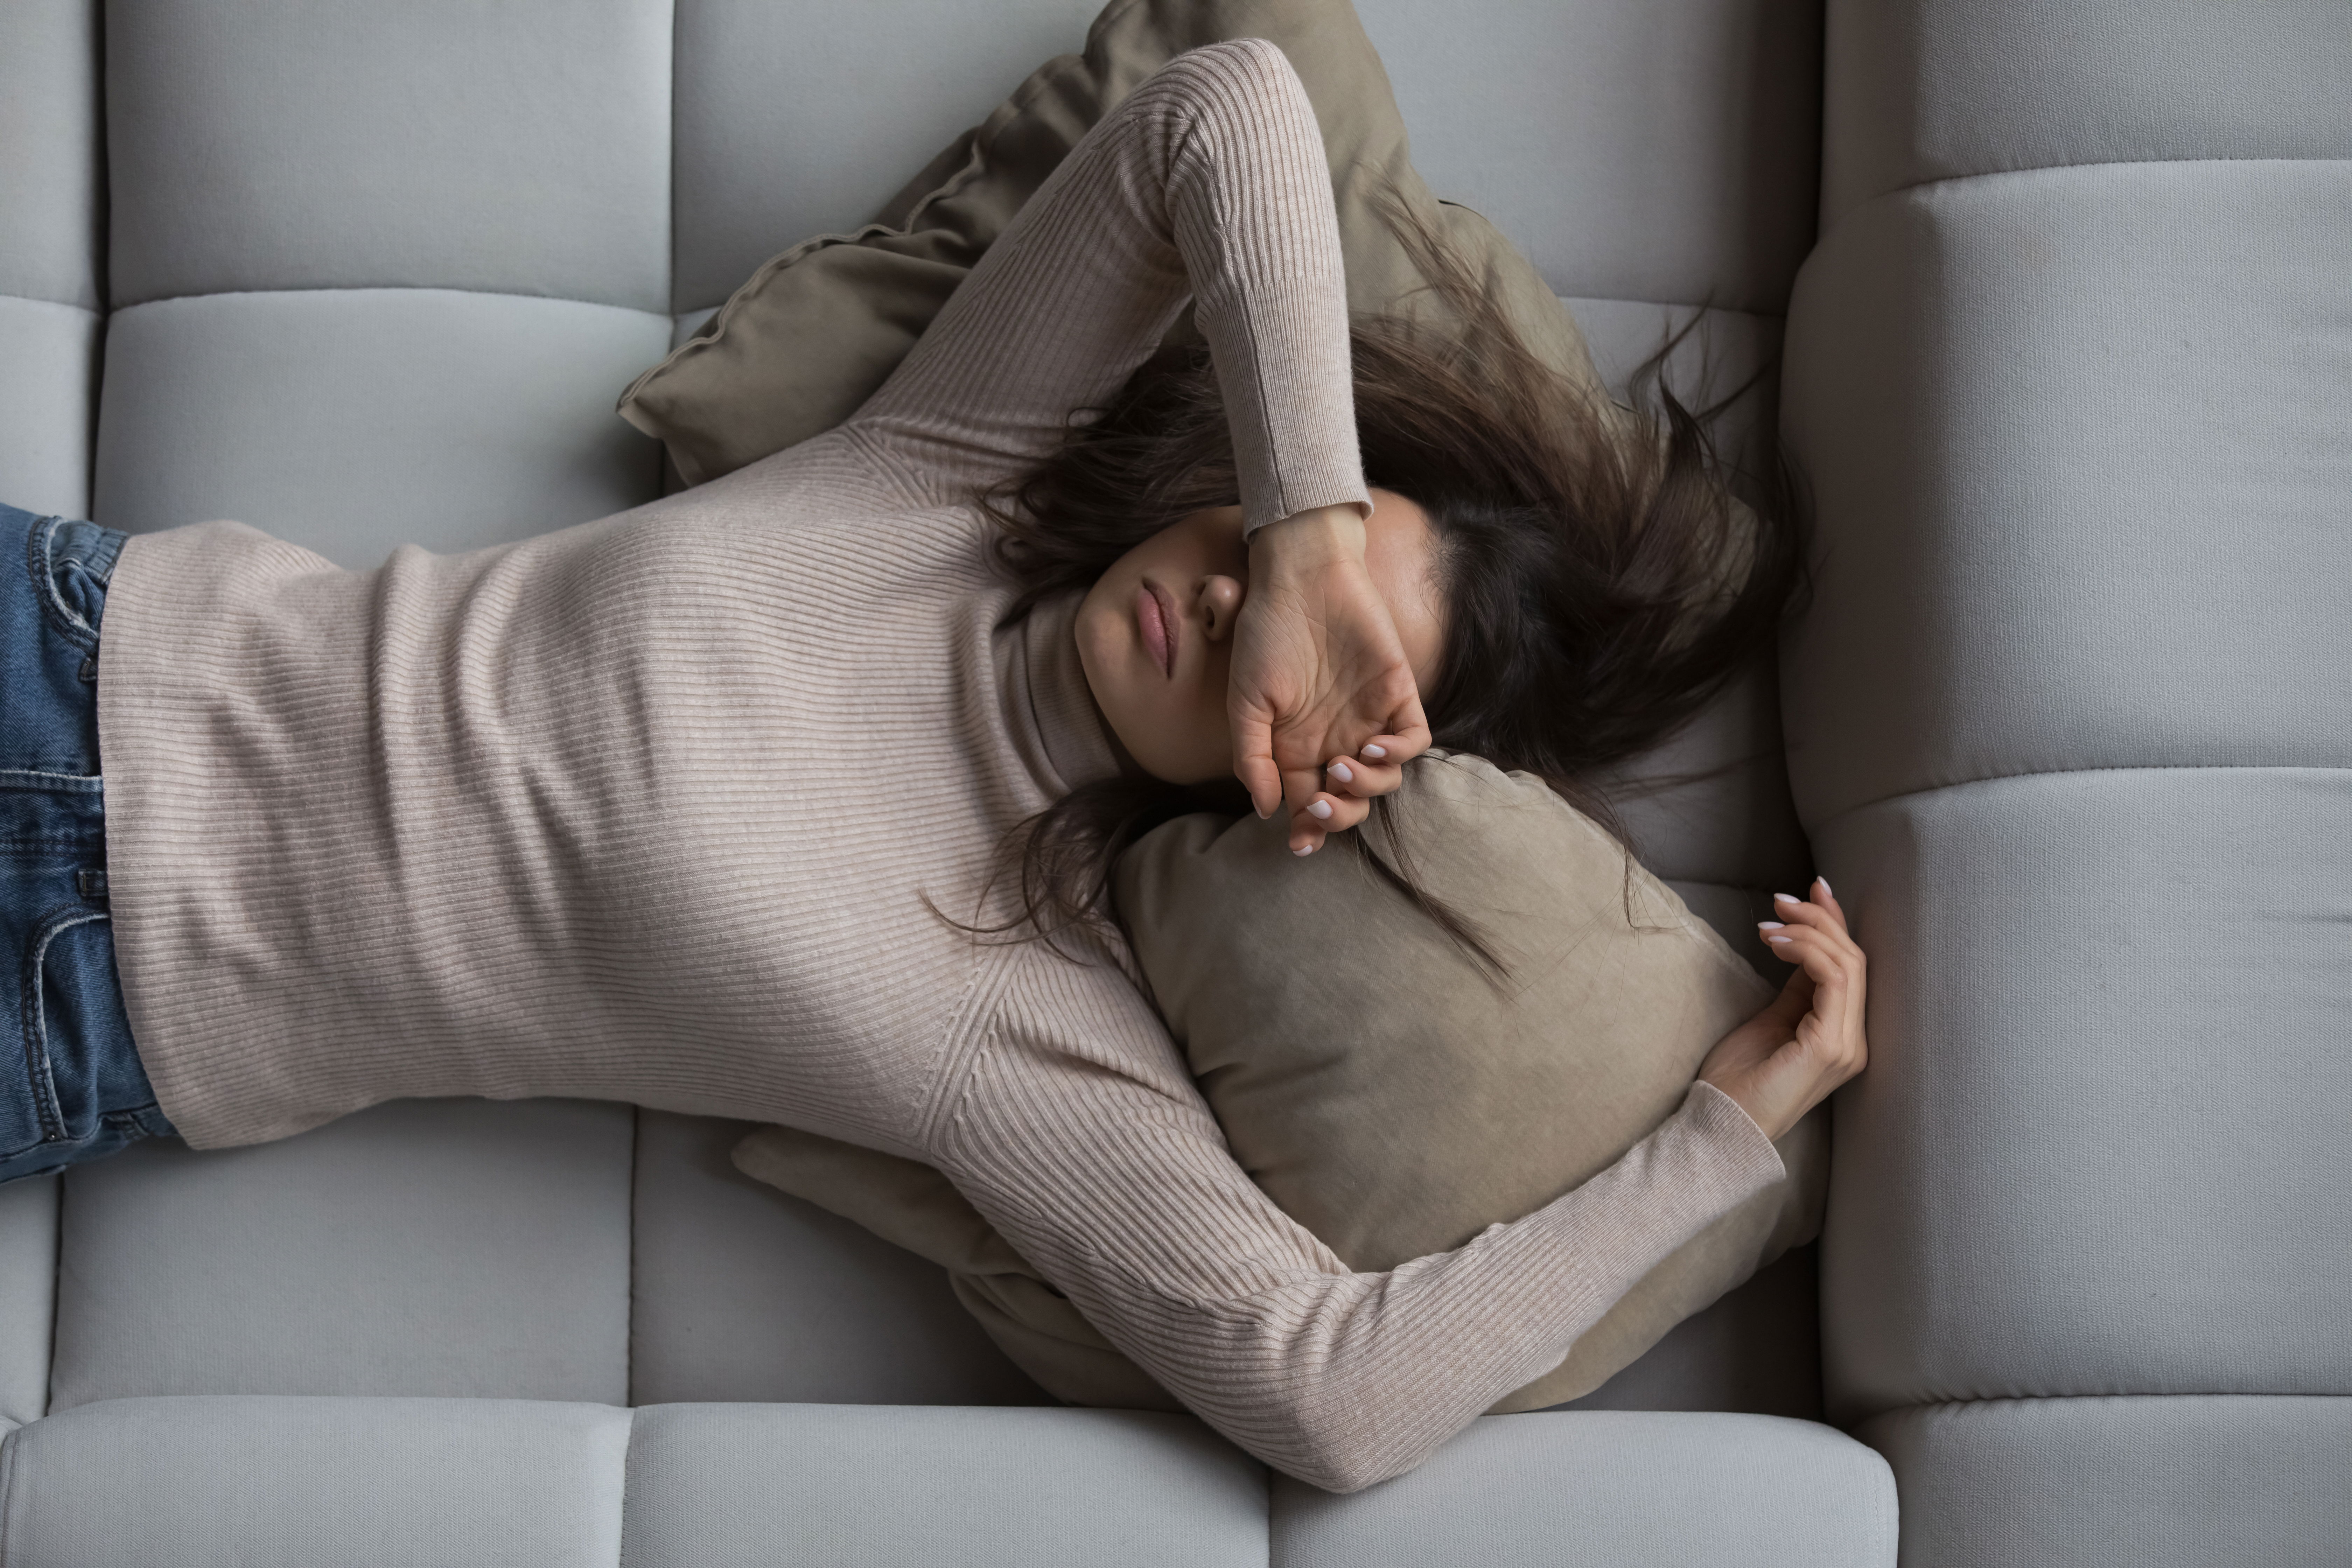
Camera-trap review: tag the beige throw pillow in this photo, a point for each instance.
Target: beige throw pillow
(818, 329)
(1379, 1086)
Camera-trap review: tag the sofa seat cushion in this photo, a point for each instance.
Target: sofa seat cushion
(870, 1486)
(261, 1481)
(1623, 1489)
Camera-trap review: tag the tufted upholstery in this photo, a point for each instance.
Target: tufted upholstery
(2069, 725)
(2067, 373)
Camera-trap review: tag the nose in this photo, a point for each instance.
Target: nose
(1220, 601)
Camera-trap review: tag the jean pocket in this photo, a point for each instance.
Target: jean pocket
(82, 1073)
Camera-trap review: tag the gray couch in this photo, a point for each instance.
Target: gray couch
(2068, 373)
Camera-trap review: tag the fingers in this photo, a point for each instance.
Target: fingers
(1795, 1000)
(1254, 760)
(1791, 914)
(1832, 1031)
(1822, 909)
(1362, 779)
(1408, 734)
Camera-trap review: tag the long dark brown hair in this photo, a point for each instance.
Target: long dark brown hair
(1600, 583)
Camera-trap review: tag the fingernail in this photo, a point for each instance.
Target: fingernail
(1780, 939)
(1375, 752)
(1785, 899)
(1262, 812)
(1341, 772)
(1304, 849)
(1321, 809)
(1824, 882)
(1769, 925)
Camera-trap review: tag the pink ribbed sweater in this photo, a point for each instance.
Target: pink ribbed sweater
(647, 810)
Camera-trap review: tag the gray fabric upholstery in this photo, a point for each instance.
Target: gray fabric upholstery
(1709, 811)
(258, 1482)
(422, 1248)
(331, 146)
(29, 1292)
(49, 171)
(354, 421)
(47, 401)
(2080, 456)
(2092, 1153)
(715, 1486)
(2066, 722)
(1724, 350)
(1756, 1351)
(1927, 90)
(741, 1292)
(2123, 1483)
(1647, 153)
(777, 142)
(49, 261)
(1614, 1489)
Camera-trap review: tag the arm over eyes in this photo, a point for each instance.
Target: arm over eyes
(1209, 182)
(1080, 1135)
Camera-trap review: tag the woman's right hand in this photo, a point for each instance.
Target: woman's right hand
(1785, 1060)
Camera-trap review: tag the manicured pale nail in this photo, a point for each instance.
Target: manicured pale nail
(1319, 810)
(1304, 849)
(1262, 812)
(1770, 925)
(1785, 899)
(1341, 772)
(1780, 939)
(1824, 882)
(1375, 752)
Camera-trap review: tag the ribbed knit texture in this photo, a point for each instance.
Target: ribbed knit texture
(650, 809)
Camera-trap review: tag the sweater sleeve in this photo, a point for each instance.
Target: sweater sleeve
(1208, 182)
(1079, 1134)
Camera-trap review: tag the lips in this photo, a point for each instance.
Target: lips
(1155, 617)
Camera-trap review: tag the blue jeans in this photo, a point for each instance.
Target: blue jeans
(75, 1090)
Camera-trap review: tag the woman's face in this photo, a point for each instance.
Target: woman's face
(1156, 631)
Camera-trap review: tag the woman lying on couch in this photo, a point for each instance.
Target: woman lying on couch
(667, 808)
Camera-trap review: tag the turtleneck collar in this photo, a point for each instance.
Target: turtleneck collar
(1048, 687)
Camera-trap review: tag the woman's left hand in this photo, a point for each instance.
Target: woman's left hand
(1321, 684)
(1789, 1057)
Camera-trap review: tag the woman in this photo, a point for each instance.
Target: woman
(657, 809)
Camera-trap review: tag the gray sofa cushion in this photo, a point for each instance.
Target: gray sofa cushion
(2100, 1144)
(259, 1482)
(2122, 1483)
(517, 148)
(1927, 90)
(351, 421)
(50, 179)
(2081, 466)
(1650, 153)
(776, 141)
(28, 1286)
(1609, 1490)
(740, 1292)
(46, 398)
(819, 1485)
(453, 1247)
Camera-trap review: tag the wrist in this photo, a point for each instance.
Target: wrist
(1320, 534)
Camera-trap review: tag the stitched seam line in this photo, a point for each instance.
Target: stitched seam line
(2078, 1399)
(1894, 191)
(1817, 825)
(36, 1023)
